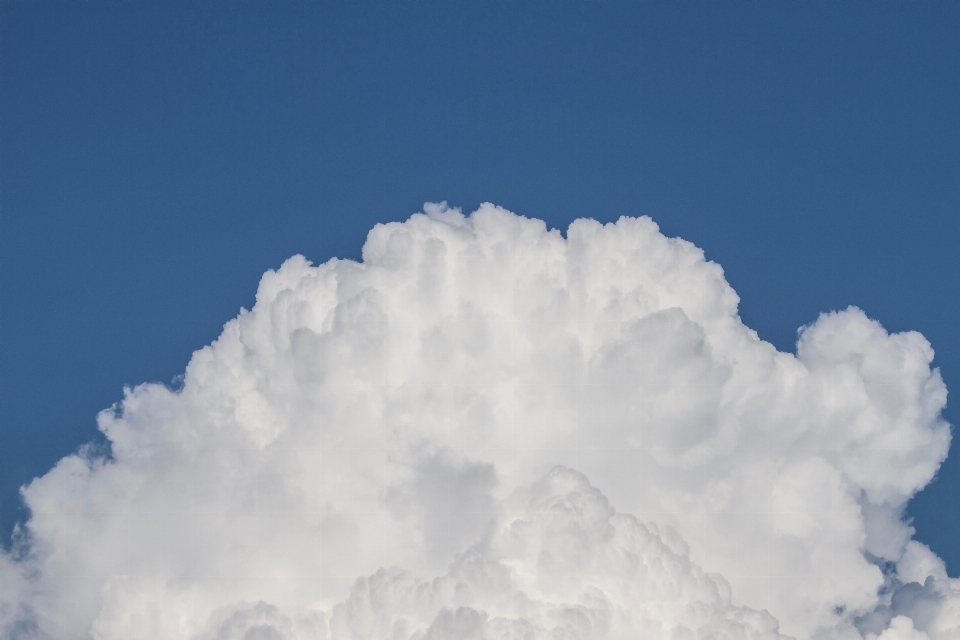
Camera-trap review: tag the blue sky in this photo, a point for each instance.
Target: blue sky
(156, 159)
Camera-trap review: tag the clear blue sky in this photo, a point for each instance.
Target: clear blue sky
(156, 158)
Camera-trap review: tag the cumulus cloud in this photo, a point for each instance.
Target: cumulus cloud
(486, 429)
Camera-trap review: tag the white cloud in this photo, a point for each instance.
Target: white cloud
(402, 419)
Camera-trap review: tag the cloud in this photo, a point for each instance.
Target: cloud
(557, 562)
(427, 444)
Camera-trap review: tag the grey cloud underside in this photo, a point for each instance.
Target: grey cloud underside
(427, 444)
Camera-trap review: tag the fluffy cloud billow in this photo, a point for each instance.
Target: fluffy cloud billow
(486, 429)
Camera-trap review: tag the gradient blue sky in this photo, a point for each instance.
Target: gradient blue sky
(156, 158)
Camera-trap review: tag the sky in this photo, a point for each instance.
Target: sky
(157, 159)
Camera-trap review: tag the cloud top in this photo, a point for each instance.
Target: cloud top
(427, 444)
